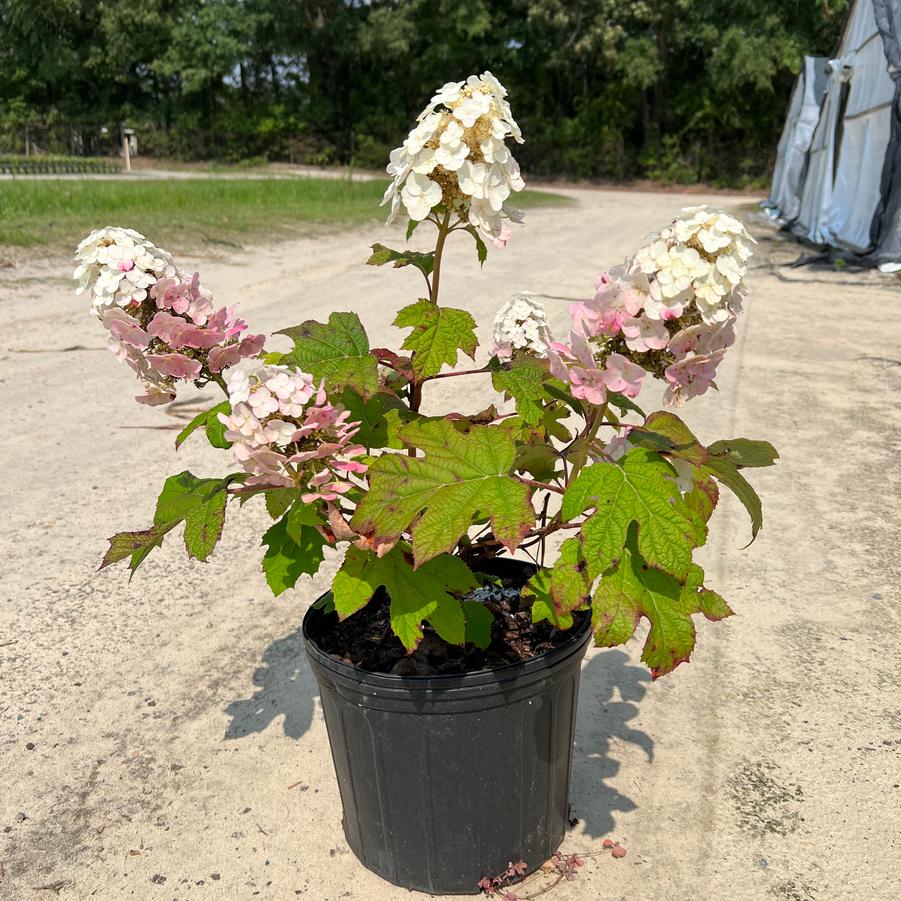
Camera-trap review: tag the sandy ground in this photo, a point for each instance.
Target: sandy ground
(163, 740)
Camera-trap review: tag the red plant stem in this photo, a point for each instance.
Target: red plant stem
(544, 486)
(455, 373)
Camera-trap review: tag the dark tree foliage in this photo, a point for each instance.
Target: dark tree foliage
(670, 89)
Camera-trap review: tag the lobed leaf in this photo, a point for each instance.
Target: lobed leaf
(337, 351)
(744, 452)
(278, 500)
(479, 620)
(633, 590)
(415, 594)
(200, 504)
(209, 421)
(523, 380)
(439, 333)
(424, 262)
(376, 427)
(722, 460)
(136, 545)
(727, 473)
(462, 476)
(292, 549)
(641, 490)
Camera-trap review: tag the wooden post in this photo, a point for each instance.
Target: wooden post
(126, 150)
(27, 141)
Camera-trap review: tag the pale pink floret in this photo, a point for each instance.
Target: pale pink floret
(643, 334)
(177, 366)
(617, 300)
(702, 339)
(274, 407)
(623, 376)
(125, 328)
(231, 354)
(588, 385)
(691, 376)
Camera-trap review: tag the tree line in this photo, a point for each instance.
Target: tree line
(678, 90)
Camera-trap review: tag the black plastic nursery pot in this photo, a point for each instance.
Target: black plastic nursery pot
(446, 779)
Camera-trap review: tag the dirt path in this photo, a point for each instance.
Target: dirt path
(162, 739)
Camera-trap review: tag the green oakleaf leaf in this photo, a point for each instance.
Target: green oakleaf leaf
(704, 494)
(562, 588)
(463, 475)
(415, 594)
(372, 414)
(680, 440)
(215, 430)
(424, 262)
(722, 460)
(337, 352)
(278, 500)
(523, 380)
(479, 620)
(540, 460)
(623, 404)
(292, 549)
(556, 391)
(438, 334)
(209, 421)
(200, 503)
(727, 473)
(744, 452)
(136, 545)
(481, 248)
(634, 590)
(640, 489)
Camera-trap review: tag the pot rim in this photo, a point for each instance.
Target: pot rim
(579, 635)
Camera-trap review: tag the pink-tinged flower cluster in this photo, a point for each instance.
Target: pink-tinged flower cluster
(161, 322)
(286, 433)
(669, 312)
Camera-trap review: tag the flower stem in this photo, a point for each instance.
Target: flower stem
(443, 232)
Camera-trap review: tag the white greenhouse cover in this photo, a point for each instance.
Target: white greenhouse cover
(791, 157)
(842, 189)
(865, 134)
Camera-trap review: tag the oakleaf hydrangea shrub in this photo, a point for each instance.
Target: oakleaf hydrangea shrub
(330, 434)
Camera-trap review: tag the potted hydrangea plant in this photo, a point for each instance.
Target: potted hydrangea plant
(448, 650)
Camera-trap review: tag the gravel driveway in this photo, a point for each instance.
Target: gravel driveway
(162, 739)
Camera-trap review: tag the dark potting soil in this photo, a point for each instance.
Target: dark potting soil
(366, 640)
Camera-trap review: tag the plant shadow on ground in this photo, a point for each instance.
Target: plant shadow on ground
(611, 688)
(283, 687)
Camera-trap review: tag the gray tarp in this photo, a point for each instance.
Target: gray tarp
(886, 227)
(794, 145)
(851, 170)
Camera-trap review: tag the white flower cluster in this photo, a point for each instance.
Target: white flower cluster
(121, 264)
(457, 154)
(521, 325)
(700, 257)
